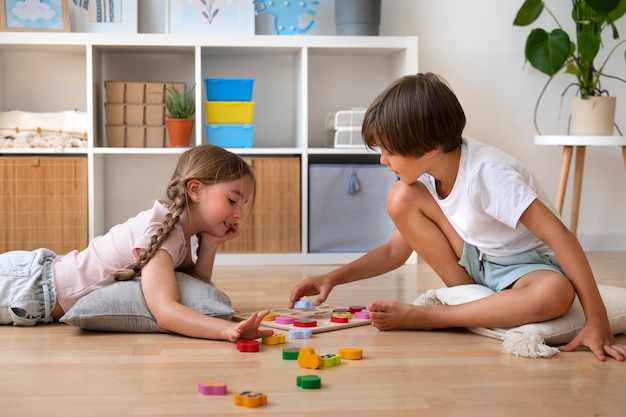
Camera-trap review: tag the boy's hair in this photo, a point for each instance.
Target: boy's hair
(415, 115)
(207, 163)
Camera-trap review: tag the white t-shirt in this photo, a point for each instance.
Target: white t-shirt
(491, 192)
(76, 274)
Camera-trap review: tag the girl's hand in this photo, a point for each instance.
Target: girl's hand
(248, 329)
(599, 340)
(215, 241)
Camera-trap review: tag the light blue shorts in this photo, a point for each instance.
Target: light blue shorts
(499, 272)
(27, 292)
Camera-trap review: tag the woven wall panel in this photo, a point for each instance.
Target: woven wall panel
(274, 225)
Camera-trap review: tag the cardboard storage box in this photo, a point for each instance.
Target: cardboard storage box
(135, 114)
(347, 211)
(136, 136)
(138, 92)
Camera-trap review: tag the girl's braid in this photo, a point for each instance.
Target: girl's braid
(176, 194)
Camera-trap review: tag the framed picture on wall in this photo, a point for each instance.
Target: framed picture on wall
(117, 16)
(212, 17)
(34, 15)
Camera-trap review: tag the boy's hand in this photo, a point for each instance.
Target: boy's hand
(311, 286)
(599, 340)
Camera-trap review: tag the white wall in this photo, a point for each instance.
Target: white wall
(473, 44)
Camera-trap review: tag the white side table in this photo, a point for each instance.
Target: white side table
(580, 143)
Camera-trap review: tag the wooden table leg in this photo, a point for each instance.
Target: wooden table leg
(566, 161)
(624, 153)
(578, 183)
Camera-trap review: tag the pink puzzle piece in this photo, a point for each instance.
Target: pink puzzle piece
(285, 319)
(212, 387)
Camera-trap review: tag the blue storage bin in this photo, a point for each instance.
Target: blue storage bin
(230, 136)
(228, 89)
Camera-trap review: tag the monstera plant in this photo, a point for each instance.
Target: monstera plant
(554, 51)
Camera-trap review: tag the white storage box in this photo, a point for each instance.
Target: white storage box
(349, 138)
(348, 128)
(347, 211)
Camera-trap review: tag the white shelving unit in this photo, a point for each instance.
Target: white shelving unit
(299, 81)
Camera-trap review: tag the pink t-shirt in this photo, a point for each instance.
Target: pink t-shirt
(76, 274)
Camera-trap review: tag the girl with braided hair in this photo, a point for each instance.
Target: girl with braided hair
(205, 198)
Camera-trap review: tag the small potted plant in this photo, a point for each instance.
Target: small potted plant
(180, 108)
(551, 52)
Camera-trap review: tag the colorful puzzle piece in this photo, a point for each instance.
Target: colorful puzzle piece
(212, 387)
(304, 305)
(351, 353)
(330, 360)
(300, 334)
(270, 317)
(285, 319)
(307, 358)
(321, 315)
(275, 339)
(248, 346)
(305, 323)
(363, 315)
(291, 353)
(308, 381)
(339, 319)
(250, 399)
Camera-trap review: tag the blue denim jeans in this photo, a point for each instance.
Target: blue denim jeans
(27, 292)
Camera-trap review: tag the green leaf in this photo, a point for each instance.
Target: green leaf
(548, 52)
(588, 47)
(604, 7)
(528, 13)
(614, 15)
(619, 11)
(180, 104)
(572, 69)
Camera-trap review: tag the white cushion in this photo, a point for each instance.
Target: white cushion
(121, 307)
(532, 340)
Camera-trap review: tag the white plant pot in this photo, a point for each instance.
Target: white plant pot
(593, 116)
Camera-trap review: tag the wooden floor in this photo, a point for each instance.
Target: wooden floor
(57, 370)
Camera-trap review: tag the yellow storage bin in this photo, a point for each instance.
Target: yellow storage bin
(229, 112)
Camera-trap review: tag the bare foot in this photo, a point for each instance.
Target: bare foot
(394, 315)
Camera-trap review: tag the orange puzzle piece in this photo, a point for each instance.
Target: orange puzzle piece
(351, 353)
(307, 358)
(250, 398)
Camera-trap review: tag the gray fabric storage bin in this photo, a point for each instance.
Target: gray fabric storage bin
(342, 218)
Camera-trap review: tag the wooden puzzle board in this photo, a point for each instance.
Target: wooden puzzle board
(321, 314)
